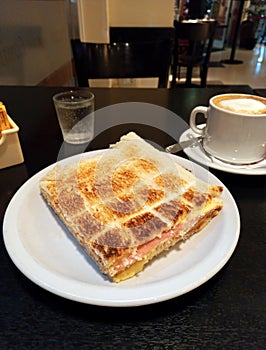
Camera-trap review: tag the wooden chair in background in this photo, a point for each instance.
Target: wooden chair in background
(139, 52)
(193, 45)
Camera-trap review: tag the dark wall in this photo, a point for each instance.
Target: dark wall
(197, 8)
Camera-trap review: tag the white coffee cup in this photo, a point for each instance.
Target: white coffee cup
(235, 130)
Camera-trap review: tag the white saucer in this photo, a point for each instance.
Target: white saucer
(197, 154)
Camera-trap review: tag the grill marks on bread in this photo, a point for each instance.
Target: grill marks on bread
(145, 227)
(105, 223)
(174, 210)
(117, 203)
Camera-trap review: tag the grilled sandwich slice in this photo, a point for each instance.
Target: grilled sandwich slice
(129, 204)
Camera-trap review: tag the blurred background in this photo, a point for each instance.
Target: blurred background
(35, 35)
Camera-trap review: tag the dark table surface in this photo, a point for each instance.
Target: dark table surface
(227, 312)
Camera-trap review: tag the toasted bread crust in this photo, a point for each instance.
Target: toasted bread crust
(166, 245)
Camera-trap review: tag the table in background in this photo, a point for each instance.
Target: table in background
(260, 92)
(227, 312)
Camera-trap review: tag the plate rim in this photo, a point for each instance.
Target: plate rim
(31, 272)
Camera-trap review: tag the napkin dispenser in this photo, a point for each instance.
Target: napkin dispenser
(10, 149)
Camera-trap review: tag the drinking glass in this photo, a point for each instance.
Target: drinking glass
(75, 112)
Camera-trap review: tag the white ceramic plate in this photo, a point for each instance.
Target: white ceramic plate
(41, 247)
(197, 154)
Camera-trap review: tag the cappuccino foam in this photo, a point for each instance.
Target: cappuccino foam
(242, 105)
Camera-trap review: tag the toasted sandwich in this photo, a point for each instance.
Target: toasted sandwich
(129, 204)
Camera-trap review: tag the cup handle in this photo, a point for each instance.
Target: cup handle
(193, 116)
